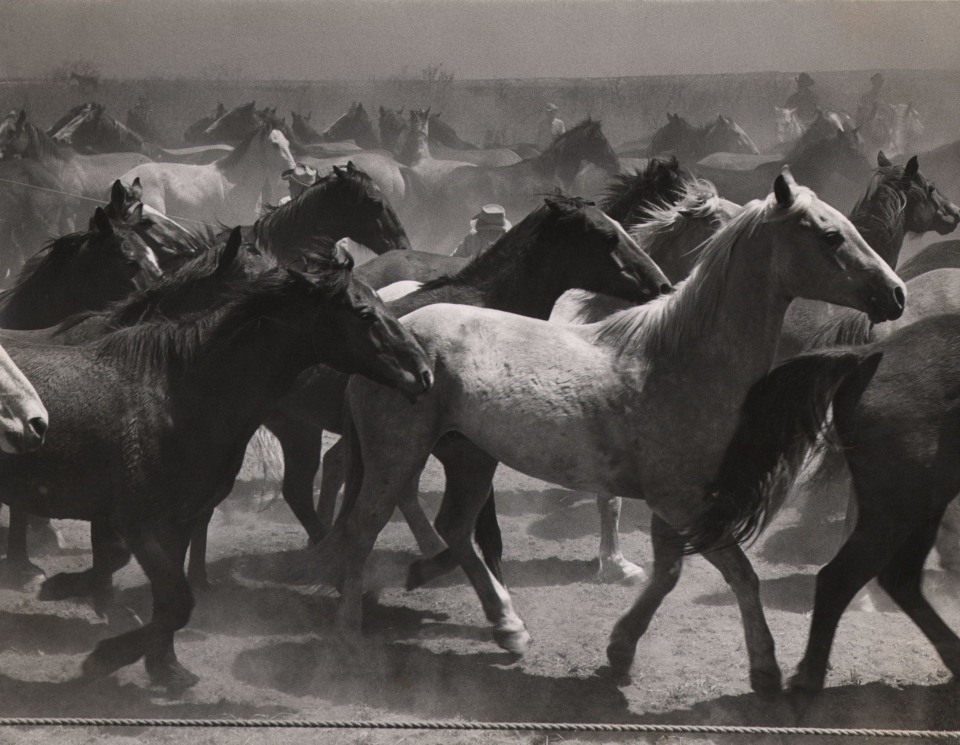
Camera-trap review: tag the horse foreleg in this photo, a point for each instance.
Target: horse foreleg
(160, 552)
(765, 678)
(110, 554)
(613, 567)
(427, 539)
(17, 570)
(667, 564)
(948, 539)
(301, 447)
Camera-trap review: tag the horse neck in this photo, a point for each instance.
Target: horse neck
(558, 160)
(518, 274)
(41, 302)
(880, 218)
(291, 228)
(43, 147)
(720, 327)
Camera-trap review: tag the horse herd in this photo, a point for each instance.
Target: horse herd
(665, 344)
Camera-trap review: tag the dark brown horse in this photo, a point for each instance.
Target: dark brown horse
(199, 389)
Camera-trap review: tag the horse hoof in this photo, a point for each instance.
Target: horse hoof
(174, 677)
(621, 572)
(767, 684)
(202, 584)
(415, 576)
(65, 585)
(620, 657)
(514, 640)
(805, 683)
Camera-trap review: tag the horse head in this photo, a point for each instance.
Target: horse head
(726, 136)
(677, 136)
(925, 207)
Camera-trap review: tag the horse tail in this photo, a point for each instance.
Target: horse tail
(783, 415)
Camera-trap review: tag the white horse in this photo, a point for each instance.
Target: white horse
(642, 405)
(226, 191)
(789, 127)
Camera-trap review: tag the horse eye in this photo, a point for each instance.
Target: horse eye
(833, 238)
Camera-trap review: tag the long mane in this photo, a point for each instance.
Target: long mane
(669, 322)
(240, 151)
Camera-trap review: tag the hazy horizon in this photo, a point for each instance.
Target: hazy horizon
(473, 39)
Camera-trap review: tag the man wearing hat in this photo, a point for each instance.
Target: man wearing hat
(804, 100)
(489, 225)
(869, 100)
(298, 180)
(550, 127)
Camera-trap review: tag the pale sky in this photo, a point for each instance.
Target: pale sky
(362, 39)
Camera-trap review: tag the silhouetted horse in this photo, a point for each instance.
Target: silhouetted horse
(690, 143)
(199, 389)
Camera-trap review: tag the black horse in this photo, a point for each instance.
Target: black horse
(152, 422)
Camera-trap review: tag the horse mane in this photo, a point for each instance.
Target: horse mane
(782, 416)
(562, 142)
(669, 322)
(659, 223)
(55, 256)
(240, 151)
(511, 247)
(168, 348)
(624, 190)
(848, 328)
(354, 182)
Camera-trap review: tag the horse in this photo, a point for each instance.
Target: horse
(11, 127)
(898, 430)
(688, 142)
(627, 195)
(354, 125)
(789, 128)
(344, 203)
(834, 168)
(563, 244)
(94, 131)
(899, 201)
(233, 126)
(141, 120)
(640, 406)
(456, 196)
(939, 255)
(415, 152)
(199, 388)
(226, 191)
(891, 127)
(444, 142)
(194, 133)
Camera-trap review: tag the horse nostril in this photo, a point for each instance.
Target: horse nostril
(900, 298)
(38, 425)
(666, 288)
(426, 380)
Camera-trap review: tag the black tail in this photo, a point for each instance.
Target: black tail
(781, 417)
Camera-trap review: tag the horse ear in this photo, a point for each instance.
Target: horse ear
(118, 195)
(21, 119)
(783, 188)
(137, 188)
(231, 250)
(136, 214)
(343, 256)
(338, 171)
(102, 222)
(913, 167)
(883, 161)
(303, 279)
(351, 167)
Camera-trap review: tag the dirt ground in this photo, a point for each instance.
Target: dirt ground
(265, 649)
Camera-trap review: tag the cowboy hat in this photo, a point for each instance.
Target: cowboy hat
(490, 216)
(303, 174)
(804, 79)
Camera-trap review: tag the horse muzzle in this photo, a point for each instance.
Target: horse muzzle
(887, 306)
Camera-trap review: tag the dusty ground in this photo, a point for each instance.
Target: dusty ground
(265, 650)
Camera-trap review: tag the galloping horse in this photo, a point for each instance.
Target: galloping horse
(226, 191)
(194, 133)
(641, 406)
(95, 131)
(152, 422)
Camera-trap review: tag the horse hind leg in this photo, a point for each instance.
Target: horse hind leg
(765, 677)
(859, 560)
(667, 565)
(455, 523)
(613, 567)
(902, 578)
(332, 477)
